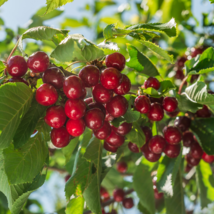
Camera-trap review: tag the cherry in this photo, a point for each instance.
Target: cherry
(188, 139)
(157, 144)
(156, 112)
(17, 66)
(34, 132)
(103, 192)
(192, 161)
(97, 105)
(122, 167)
(187, 168)
(152, 82)
(156, 100)
(73, 87)
(133, 147)
(115, 139)
(60, 137)
(75, 109)
(196, 151)
(170, 104)
(172, 151)
(124, 86)
(88, 100)
(117, 106)
(84, 94)
(110, 78)
(179, 74)
(89, 75)
(109, 147)
(55, 116)
(173, 114)
(150, 156)
(208, 158)
(103, 132)
(204, 112)
(196, 51)
(46, 95)
(147, 132)
(113, 212)
(194, 77)
(54, 77)
(128, 203)
(142, 104)
(109, 117)
(183, 123)
(75, 127)
(67, 177)
(103, 211)
(180, 62)
(118, 195)
(172, 135)
(158, 195)
(116, 60)
(101, 94)
(123, 129)
(18, 79)
(38, 62)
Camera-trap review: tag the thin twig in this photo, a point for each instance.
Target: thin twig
(73, 63)
(14, 49)
(182, 84)
(53, 168)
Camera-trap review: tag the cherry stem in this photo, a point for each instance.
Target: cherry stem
(182, 84)
(73, 63)
(14, 49)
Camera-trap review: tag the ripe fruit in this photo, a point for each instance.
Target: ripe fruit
(133, 147)
(196, 151)
(116, 60)
(115, 139)
(17, 66)
(208, 158)
(150, 156)
(124, 86)
(158, 195)
(152, 82)
(173, 114)
(170, 104)
(192, 161)
(156, 112)
(103, 192)
(128, 203)
(54, 77)
(172, 135)
(187, 168)
(142, 104)
(60, 137)
(157, 144)
(179, 74)
(110, 78)
(97, 105)
(75, 109)
(188, 139)
(123, 129)
(156, 100)
(73, 87)
(103, 132)
(18, 79)
(46, 95)
(147, 132)
(122, 167)
(38, 62)
(180, 62)
(55, 116)
(117, 106)
(109, 147)
(89, 75)
(109, 117)
(172, 151)
(118, 195)
(204, 112)
(101, 94)
(94, 118)
(88, 100)
(67, 177)
(183, 123)
(75, 127)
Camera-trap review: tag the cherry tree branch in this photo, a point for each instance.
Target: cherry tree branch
(182, 84)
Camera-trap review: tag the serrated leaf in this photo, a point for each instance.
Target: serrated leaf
(2, 66)
(2, 2)
(75, 206)
(108, 47)
(53, 4)
(15, 100)
(108, 31)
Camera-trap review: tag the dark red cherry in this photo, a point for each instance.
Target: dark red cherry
(157, 144)
(113, 212)
(188, 139)
(194, 77)
(103, 132)
(123, 129)
(38, 62)
(170, 104)
(54, 77)
(196, 51)
(208, 158)
(46, 95)
(88, 100)
(116, 60)
(115, 139)
(122, 167)
(142, 104)
(109, 117)
(118, 195)
(172, 135)
(180, 62)
(128, 203)
(89, 75)
(133, 147)
(183, 123)
(150, 156)
(187, 168)
(60, 137)
(179, 74)
(156, 112)
(75, 109)
(110, 78)
(17, 66)
(84, 94)
(192, 161)
(152, 82)
(75, 127)
(73, 87)
(117, 106)
(94, 118)
(67, 177)
(55, 116)
(109, 147)
(172, 151)
(147, 132)
(97, 105)
(196, 150)
(103, 192)
(158, 195)
(156, 100)
(124, 86)
(204, 112)
(101, 94)
(18, 79)
(173, 114)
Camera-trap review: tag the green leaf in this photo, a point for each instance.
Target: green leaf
(212, 1)
(2, 2)
(99, 5)
(2, 66)
(51, 15)
(205, 182)
(77, 48)
(53, 4)
(142, 209)
(108, 31)
(140, 62)
(74, 23)
(75, 206)
(15, 100)
(108, 47)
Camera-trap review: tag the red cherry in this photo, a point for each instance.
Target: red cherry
(117, 106)
(156, 112)
(60, 137)
(194, 78)
(172, 135)
(118, 195)
(89, 75)
(101, 94)
(196, 151)
(109, 147)
(157, 144)
(67, 177)
(88, 100)
(55, 116)
(142, 104)
(115, 139)
(204, 112)
(116, 60)
(192, 161)
(97, 105)
(38, 62)
(73, 87)
(196, 51)
(156, 100)
(179, 74)
(34, 132)
(133, 147)
(183, 123)
(128, 203)
(208, 158)
(172, 151)
(147, 132)
(103, 192)
(103, 211)
(123, 129)
(84, 94)
(150, 156)
(75, 127)
(46, 95)
(18, 79)
(152, 82)
(187, 168)
(124, 86)
(170, 104)
(103, 132)
(75, 109)
(110, 78)
(54, 77)
(180, 62)
(109, 117)
(158, 195)
(113, 212)
(173, 114)
(17, 66)
(188, 139)
(122, 167)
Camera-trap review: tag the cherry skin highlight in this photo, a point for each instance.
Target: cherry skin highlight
(109, 117)
(196, 151)
(118, 195)
(150, 156)
(183, 123)
(172, 151)
(115, 139)
(18, 79)
(157, 144)
(170, 104)
(122, 167)
(188, 139)
(208, 158)
(128, 203)
(124, 86)
(152, 82)
(109, 147)
(116, 60)
(103, 132)
(172, 135)
(133, 147)
(156, 112)
(142, 104)
(75, 127)
(88, 100)
(103, 192)
(192, 161)
(123, 129)
(60, 137)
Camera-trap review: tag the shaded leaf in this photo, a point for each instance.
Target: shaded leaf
(53, 4)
